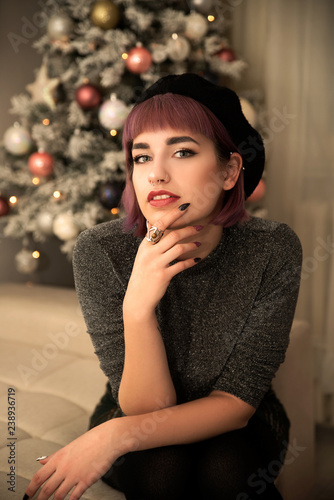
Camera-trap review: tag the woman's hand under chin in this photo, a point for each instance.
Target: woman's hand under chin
(152, 272)
(79, 464)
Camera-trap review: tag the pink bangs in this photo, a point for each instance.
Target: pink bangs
(179, 113)
(167, 111)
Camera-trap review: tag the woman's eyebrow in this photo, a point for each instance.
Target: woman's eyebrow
(169, 142)
(140, 145)
(177, 140)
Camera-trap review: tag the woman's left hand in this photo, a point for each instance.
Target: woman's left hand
(78, 465)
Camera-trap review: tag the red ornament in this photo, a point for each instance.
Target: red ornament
(4, 206)
(227, 55)
(139, 60)
(40, 164)
(88, 96)
(258, 192)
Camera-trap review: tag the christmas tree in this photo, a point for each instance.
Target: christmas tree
(61, 163)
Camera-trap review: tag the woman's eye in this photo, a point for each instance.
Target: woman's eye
(141, 159)
(184, 153)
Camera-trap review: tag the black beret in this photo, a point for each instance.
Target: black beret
(225, 105)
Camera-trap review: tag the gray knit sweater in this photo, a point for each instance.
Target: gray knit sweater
(225, 322)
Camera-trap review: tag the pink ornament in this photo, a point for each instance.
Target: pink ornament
(88, 96)
(139, 60)
(4, 206)
(40, 164)
(227, 55)
(258, 192)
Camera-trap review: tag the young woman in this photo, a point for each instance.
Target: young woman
(189, 304)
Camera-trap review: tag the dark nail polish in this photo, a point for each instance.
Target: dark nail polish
(198, 243)
(26, 497)
(197, 259)
(198, 228)
(183, 206)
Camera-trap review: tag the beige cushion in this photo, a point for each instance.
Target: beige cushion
(47, 356)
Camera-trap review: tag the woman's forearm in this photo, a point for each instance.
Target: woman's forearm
(182, 424)
(146, 383)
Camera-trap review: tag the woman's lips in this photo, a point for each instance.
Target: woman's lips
(161, 198)
(163, 202)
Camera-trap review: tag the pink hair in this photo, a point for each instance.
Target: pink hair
(176, 111)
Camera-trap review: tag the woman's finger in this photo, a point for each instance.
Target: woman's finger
(177, 250)
(164, 222)
(182, 265)
(48, 489)
(65, 487)
(78, 491)
(176, 236)
(40, 478)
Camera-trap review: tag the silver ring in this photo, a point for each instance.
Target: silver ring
(154, 234)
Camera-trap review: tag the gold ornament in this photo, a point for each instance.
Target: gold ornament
(105, 14)
(43, 87)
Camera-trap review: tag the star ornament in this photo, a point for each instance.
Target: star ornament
(43, 87)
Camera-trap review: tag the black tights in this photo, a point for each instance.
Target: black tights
(238, 465)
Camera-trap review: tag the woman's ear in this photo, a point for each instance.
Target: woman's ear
(232, 171)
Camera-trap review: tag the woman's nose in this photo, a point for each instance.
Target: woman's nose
(155, 179)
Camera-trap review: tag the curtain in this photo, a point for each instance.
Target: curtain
(288, 46)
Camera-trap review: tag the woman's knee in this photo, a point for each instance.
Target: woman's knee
(157, 473)
(225, 464)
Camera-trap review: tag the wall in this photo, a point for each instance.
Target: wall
(17, 69)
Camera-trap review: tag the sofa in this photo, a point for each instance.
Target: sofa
(50, 381)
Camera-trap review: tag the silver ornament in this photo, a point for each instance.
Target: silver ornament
(60, 27)
(44, 222)
(113, 113)
(25, 262)
(64, 227)
(159, 52)
(178, 48)
(196, 26)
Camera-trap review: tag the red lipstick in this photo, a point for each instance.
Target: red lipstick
(161, 198)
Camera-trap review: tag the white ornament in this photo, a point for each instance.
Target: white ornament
(44, 222)
(113, 113)
(196, 26)
(249, 111)
(178, 48)
(17, 140)
(25, 262)
(64, 227)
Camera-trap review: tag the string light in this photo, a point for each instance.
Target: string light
(57, 195)
(125, 55)
(175, 36)
(35, 180)
(36, 254)
(113, 132)
(211, 18)
(46, 121)
(114, 211)
(12, 200)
